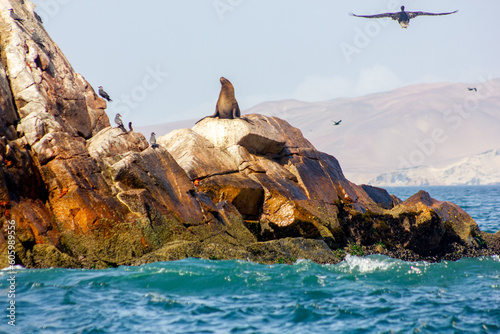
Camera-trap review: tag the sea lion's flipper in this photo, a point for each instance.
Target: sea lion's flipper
(216, 114)
(247, 120)
(236, 110)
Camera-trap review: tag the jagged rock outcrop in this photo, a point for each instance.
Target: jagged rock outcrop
(97, 195)
(85, 194)
(300, 192)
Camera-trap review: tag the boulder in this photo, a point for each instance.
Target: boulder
(437, 220)
(258, 136)
(380, 196)
(289, 250)
(197, 155)
(110, 145)
(244, 193)
(270, 172)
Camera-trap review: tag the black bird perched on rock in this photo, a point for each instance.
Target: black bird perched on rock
(474, 89)
(15, 16)
(130, 126)
(104, 95)
(402, 17)
(38, 17)
(152, 140)
(119, 122)
(336, 123)
(37, 38)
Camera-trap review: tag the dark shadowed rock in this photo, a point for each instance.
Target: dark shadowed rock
(380, 196)
(244, 193)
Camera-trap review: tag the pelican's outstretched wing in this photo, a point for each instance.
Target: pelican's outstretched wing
(393, 16)
(415, 14)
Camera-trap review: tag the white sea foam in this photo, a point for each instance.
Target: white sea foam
(303, 265)
(157, 298)
(15, 267)
(367, 264)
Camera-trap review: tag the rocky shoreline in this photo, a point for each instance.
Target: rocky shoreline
(84, 194)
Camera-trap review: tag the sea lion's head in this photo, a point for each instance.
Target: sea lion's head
(224, 81)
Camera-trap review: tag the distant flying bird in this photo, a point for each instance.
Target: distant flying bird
(15, 16)
(336, 123)
(402, 17)
(130, 126)
(119, 122)
(152, 140)
(474, 89)
(104, 95)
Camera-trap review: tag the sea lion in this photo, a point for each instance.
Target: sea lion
(227, 106)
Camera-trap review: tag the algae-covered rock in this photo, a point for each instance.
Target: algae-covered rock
(289, 250)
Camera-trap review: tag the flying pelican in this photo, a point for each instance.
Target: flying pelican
(402, 17)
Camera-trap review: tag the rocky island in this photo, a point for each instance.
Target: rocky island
(83, 194)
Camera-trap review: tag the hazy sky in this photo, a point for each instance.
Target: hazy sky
(161, 60)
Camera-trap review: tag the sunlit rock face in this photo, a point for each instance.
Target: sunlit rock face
(85, 194)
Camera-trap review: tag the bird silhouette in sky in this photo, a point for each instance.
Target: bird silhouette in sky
(336, 123)
(402, 17)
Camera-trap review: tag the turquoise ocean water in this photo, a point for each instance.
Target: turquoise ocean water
(374, 294)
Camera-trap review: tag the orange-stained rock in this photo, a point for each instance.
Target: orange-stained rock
(280, 180)
(97, 194)
(157, 172)
(244, 193)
